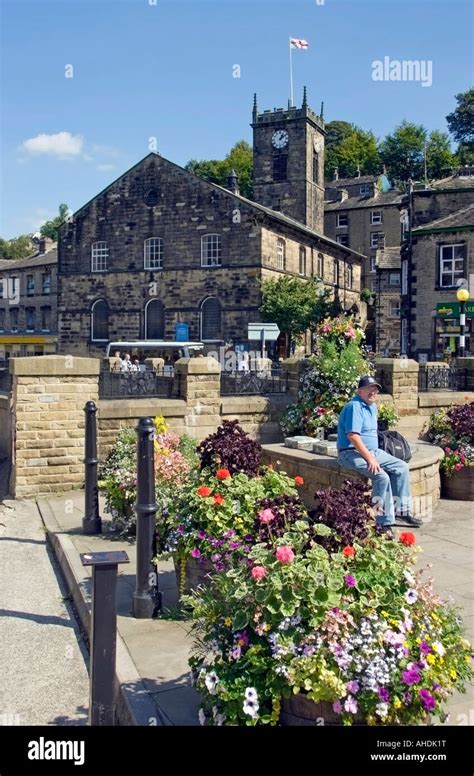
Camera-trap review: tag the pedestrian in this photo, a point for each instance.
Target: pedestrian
(357, 444)
(126, 363)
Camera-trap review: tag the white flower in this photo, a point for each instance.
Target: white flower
(438, 647)
(202, 717)
(250, 707)
(409, 577)
(251, 694)
(220, 719)
(211, 681)
(381, 709)
(411, 596)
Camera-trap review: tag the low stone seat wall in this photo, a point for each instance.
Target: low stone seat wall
(322, 471)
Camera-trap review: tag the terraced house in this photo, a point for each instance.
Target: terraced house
(161, 247)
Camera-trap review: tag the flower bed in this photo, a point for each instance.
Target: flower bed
(325, 607)
(453, 430)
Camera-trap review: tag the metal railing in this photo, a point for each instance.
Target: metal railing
(256, 383)
(143, 384)
(441, 378)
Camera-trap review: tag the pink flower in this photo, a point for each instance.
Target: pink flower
(285, 554)
(458, 467)
(350, 333)
(266, 516)
(258, 572)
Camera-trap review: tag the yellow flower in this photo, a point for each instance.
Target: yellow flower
(228, 621)
(385, 614)
(406, 644)
(418, 641)
(430, 659)
(453, 674)
(397, 703)
(467, 658)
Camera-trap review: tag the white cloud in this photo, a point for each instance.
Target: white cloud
(62, 144)
(105, 167)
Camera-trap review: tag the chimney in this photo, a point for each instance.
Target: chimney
(336, 174)
(44, 245)
(233, 182)
(358, 170)
(343, 194)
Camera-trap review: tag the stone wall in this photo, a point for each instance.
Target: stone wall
(5, 427)
(48, 398)
(399, 377)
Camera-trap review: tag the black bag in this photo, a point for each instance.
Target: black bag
(395, 444)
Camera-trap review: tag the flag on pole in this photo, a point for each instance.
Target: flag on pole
(298, 43)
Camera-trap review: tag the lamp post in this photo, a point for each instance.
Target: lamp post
(462, 296)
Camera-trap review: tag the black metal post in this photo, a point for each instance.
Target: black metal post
(146, 598)
(91, 522)
(103, 633)
(462, 329)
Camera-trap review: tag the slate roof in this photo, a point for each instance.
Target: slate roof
(394, 197)
(460, 218)
(37, 260)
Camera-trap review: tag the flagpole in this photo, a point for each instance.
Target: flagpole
(291, 74)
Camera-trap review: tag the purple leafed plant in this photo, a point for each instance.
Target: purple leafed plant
(347, 510)
(231, 448)
(286, 510)
(461, 419)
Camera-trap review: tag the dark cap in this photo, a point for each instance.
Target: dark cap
(367, 380)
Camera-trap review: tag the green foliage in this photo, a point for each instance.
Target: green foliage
(17, 248)
(348, 148)
(295, 305)
(440, 160)
(50, 228)
(388, 414)
(239, 158)
(403, 151)
(461, 120)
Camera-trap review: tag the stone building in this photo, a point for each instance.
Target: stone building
(160, 246)
(28, 303)
(363, 213)
(387, 301)
(437, 255)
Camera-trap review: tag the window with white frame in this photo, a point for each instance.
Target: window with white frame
(342, 219)
(46, 282)
(451, 264)
(395, 308)
(45, 318)
(394, 279)
(281, 254)
(404, 277)
(373, 264)
(376, 217)
(153, 253)
(335, 273)
(365, 188)
(14, 312)
(373, 286)
(30, 285)
(100, 256)
(302, 268)
(211, 250)
(348, 276)
(100, 321)
(211, 320)
(377, 240)
(320, 265)
(343, 239)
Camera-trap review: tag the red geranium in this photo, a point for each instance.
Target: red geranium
(299, 480)
(408, 538)
(349, 552)
(204, 491)
(223, 474)
(218, 499)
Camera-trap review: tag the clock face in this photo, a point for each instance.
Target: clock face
(317, 143)
(280, 138)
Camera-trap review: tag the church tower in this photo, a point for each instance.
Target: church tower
(288, 162)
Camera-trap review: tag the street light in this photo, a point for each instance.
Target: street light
(462, 296)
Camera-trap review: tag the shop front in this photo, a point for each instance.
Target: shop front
(448, 329)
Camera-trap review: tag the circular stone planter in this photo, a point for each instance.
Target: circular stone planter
(459, 485)
(298, 710)
(193, 574)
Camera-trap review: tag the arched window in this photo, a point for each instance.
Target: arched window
(281, 254)
(302, 267)
(154, 320)
(100, 321)
(211, 250)
(99, 257)
(153, 253)
(211, 320)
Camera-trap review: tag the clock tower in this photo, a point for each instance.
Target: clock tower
(288, 162)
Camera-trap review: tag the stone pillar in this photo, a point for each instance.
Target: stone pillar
(48, 398)
(200, 387)
(467, 363)
(295, 368)
(399, 377)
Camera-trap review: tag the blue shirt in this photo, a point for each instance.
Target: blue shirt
(359, 417)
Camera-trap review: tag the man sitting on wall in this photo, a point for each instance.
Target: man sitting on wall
(357, 444)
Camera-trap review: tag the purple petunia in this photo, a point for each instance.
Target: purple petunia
(384, 694)
(353, 687)
(427, 700)
(412, 676)
(195, 553)
(201, 534)
(425, 648)
(407, 697)
(350, 580)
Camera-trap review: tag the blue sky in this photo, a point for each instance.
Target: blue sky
(166, 71)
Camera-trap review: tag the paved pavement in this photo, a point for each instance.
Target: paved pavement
(152, 655)
(43, 674)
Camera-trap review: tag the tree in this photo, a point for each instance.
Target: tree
(239, 158)
(295, 305)
(403, 151)
(439, 158)
(50, 228)
(350, 148)
(461, 126)
(17, 248)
